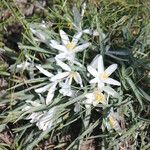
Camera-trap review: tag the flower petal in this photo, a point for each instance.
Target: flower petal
(90, 96)
(81, 47)
(110, 91)
(69, 80)
(43, 89)
(87, 31)
(76, 38)
(100, 64)
(45, 72)
(61, 48)
(77, 107)
(54, 42)
(60, 76)
(50, 94)
(63, 65)
(95, 103)
(61, 56)
(111, 69)
(112, 81)
(66, 90)
(78, 79)
(95, 80)
(88, 102)
(100, 85)
(94, 62)
(92, 71)
(64, 37)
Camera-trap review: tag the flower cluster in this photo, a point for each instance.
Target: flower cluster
(67, 75)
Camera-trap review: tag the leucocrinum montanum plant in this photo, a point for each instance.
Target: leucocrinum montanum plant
(73, 84)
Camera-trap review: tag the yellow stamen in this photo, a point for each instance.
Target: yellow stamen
(70, 46)
(104, 76)
(112, 121)
(99, 97)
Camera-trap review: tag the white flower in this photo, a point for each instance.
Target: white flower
(101, 75)
(95, 98)
(68, 74)
(99, 96)
(68, 49)
(33, 117)
(113, 121)
(43, 119)
(46, 121)
(66, 89)
(24, 66)
(51, 87)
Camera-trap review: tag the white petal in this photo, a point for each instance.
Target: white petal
(95, 33)
(49, 97)
(100, 64)
(110, 91)
(94, 62)
(43, 89)
(95, 80)
(45, 72)
(87, 31)
(77, 107)
(95, 103)
(60, 76)
(66, 90)
(100, 85)
(78, 79)
(61, 56)
(92, 71)
(53, 42)
(23, 65)
(47, 125)
(90, 96)
(64, 37)
(63, 65)
(88, 102)
(76, 38)
(50, 94)
(81, 47)
(69, 80)
(70, 57)
(61, 48)
(111, 69)
(112, 81)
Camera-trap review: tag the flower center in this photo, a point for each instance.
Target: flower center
(104, 76)
(70, 46)
(99, 96)
(73, 74)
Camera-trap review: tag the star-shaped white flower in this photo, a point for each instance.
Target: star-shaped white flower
(99, 96)
(46, 121)
(68, 49)
(95, 98)
(51, 87)
(68, 75)
(101, 75)
(43, 119)
(113, 119)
